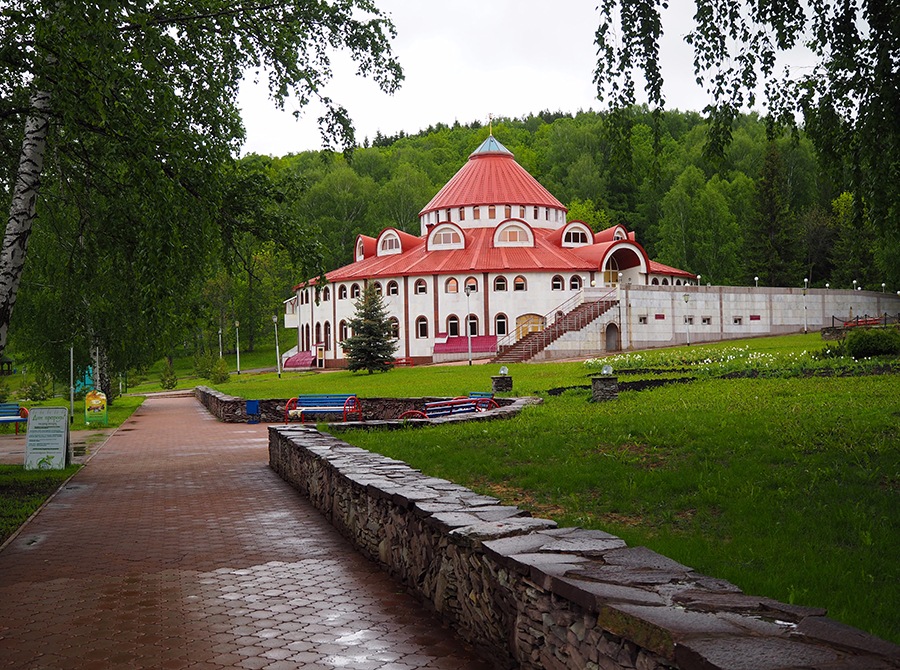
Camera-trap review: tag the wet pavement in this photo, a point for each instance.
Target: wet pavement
(177, 547)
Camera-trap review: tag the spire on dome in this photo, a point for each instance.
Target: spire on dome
(491, 146)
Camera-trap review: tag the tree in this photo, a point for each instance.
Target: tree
(849, 100)
(371, 346)
(156, 82)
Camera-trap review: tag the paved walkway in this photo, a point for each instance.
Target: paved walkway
(177, 547)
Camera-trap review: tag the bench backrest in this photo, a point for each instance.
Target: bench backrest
(444, 407)
(481, 394)
(324, 399)
(9, 409)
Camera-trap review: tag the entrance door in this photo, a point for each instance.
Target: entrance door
(528, 323)
(612, 337)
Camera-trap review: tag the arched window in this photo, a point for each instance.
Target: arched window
(360, 250)
(462, 213)
(514, 234)
(326, 294)
(354, 291)
(327, 336)
(501, 325)
(306, 344)
(473, 325)
(557, 283)
(492, 212)
(422, 327)
(343, 331)
(390, 243)
(451, 286)
(500, 283)
(575, 282)
(395, 328)
(453, 326)
(655, 281)
(342, 292)
(318, 333)
(421, 288)
(476, 212)
(519, 284)
(677, 282)
(471, 285)
(508, 211)
(393, 288)
(378, 289)
(575, 236)
(665, 281)
(446, 236)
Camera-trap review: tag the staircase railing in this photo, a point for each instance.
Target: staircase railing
(532, 339)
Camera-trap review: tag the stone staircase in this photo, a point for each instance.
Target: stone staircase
(533, 343)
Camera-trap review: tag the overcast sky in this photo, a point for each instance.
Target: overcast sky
(466, 59)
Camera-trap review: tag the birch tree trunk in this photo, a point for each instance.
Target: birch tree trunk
(22, 209)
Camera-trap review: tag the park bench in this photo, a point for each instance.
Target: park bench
(10, 412)
(346, 404)
(404, 362)
(479, 402)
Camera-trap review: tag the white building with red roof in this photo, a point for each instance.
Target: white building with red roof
(497, 270)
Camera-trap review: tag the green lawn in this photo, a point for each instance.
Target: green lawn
(23, 491)
(789, 488)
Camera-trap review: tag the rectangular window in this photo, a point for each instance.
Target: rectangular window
(462, 213)
(642, 320)
(508, 211)
(689, 320)
(535, 212)
(737, 321)
(521, 211)
(707, 321)
(476, 213)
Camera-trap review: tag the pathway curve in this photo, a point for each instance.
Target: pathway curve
(177, 547)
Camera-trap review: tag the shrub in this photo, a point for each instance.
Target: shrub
(167, 378)
(204, 364)
(869, 342)
(40, 389)
(219, 372)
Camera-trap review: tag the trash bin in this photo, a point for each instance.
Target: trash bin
(252, 411)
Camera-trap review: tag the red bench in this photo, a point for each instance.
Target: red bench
(451, 407)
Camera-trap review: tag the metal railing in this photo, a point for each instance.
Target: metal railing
(865, 320)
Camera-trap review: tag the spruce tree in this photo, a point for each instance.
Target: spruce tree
(371, 347)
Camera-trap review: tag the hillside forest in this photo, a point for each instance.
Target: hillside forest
(766, 208)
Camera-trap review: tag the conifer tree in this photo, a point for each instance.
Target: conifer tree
(372, 346)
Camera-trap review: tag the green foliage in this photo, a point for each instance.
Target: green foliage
(40, 388)
(219, 372)
(867, 342)
(203, 364)
(167, 378)
(371, 346)
(23, 491)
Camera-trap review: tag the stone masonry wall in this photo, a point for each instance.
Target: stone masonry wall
(531, 595)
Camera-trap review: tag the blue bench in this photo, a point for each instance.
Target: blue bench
(346, 404)
(462, 405)
(10, 412)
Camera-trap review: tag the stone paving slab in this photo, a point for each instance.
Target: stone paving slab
(177, 547)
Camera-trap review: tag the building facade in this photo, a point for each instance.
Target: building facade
(497, 265)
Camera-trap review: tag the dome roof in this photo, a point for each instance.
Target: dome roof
(491, 176)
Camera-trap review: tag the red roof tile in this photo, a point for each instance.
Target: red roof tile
(660, 269)
(491, 176)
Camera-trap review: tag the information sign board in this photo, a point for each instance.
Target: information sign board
(46, 444)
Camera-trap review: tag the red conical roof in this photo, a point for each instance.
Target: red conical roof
(491, 176)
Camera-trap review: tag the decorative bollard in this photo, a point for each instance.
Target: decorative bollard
(604, 388)
(501, 383)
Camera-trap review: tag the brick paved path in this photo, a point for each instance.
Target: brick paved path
(177, 547)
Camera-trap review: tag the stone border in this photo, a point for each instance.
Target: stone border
(531, 595)
(232, 409)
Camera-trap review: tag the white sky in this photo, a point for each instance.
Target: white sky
(466, 59)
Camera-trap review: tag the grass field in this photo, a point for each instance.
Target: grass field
(23, 491)
(788, 488)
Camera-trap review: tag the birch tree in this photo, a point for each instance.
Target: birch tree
(155, 82)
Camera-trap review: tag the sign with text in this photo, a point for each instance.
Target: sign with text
(47, 441)
(95, 407)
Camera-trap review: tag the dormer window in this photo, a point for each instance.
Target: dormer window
(577, 234)
(513, 235)
(390, 244)
(446, 236)
(360, 251)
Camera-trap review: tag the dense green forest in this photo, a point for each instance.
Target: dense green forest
(765, 209)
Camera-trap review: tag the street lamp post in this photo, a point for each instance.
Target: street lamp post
(687, 321)
(468, 324)
(699, 277)
(805, 289)
(854, 284)
(756, 281)
(220, 343)
(237, 335)
(883, 286)
(277, 349)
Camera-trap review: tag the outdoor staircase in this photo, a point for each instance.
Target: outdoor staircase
(533, 343)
